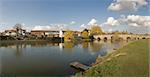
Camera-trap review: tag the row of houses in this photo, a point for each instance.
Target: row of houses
(47, 33)
(13, 32)
(37, 33)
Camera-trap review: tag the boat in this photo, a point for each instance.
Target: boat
(80, 66)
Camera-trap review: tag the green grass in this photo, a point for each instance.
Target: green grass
(134, 64)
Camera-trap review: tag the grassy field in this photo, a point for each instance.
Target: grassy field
(130, 61)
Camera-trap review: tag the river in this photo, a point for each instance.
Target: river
(50, 59)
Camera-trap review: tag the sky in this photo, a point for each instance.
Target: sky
(111, 15)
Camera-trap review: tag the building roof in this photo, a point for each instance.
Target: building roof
(44, 30)
(12, 30)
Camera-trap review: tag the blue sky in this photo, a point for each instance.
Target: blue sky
(45, 12)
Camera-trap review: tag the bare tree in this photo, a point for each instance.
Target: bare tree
(18, 28)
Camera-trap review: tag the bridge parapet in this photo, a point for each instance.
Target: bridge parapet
(122, 36)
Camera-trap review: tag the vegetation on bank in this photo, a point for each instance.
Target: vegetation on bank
(85, 35)
(129, 61)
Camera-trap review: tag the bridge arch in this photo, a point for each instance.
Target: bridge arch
(105, 38)
(143, 38)
(98, 38)
(134, 38)
(128, 38)
(112, 37)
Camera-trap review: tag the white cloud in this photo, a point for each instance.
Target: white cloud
(23, 24)
(92, 22)
(72, 22)
(127, 5)
(110, 30)
(131, 23)
(41, 28)
(51, 27)
(140, 2)
(83, 26)
(115, 7)
(112, 22)
(89, 24)
(131, 20)
(136, 20)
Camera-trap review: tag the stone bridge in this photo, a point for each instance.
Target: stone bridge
(122, 36)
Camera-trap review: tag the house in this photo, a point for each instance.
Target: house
(14, 32)
(11, 32)
(47, 33)
(77, 33)
(38, 33)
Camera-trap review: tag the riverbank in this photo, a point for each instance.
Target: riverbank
(21, 41)
(129, 61)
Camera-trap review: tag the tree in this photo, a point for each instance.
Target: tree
(18, 28)
(68, 35)
(96, 30)
(125, 32)
(85, 34)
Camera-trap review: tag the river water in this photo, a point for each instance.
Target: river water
(50, 59)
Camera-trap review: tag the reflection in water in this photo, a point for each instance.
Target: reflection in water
(0, 63)
(50, 59)
(61, 46)
(68, 45)
(18, 50)
(95, 46)
(85, 44)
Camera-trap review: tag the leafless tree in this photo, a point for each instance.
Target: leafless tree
(18, 28)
